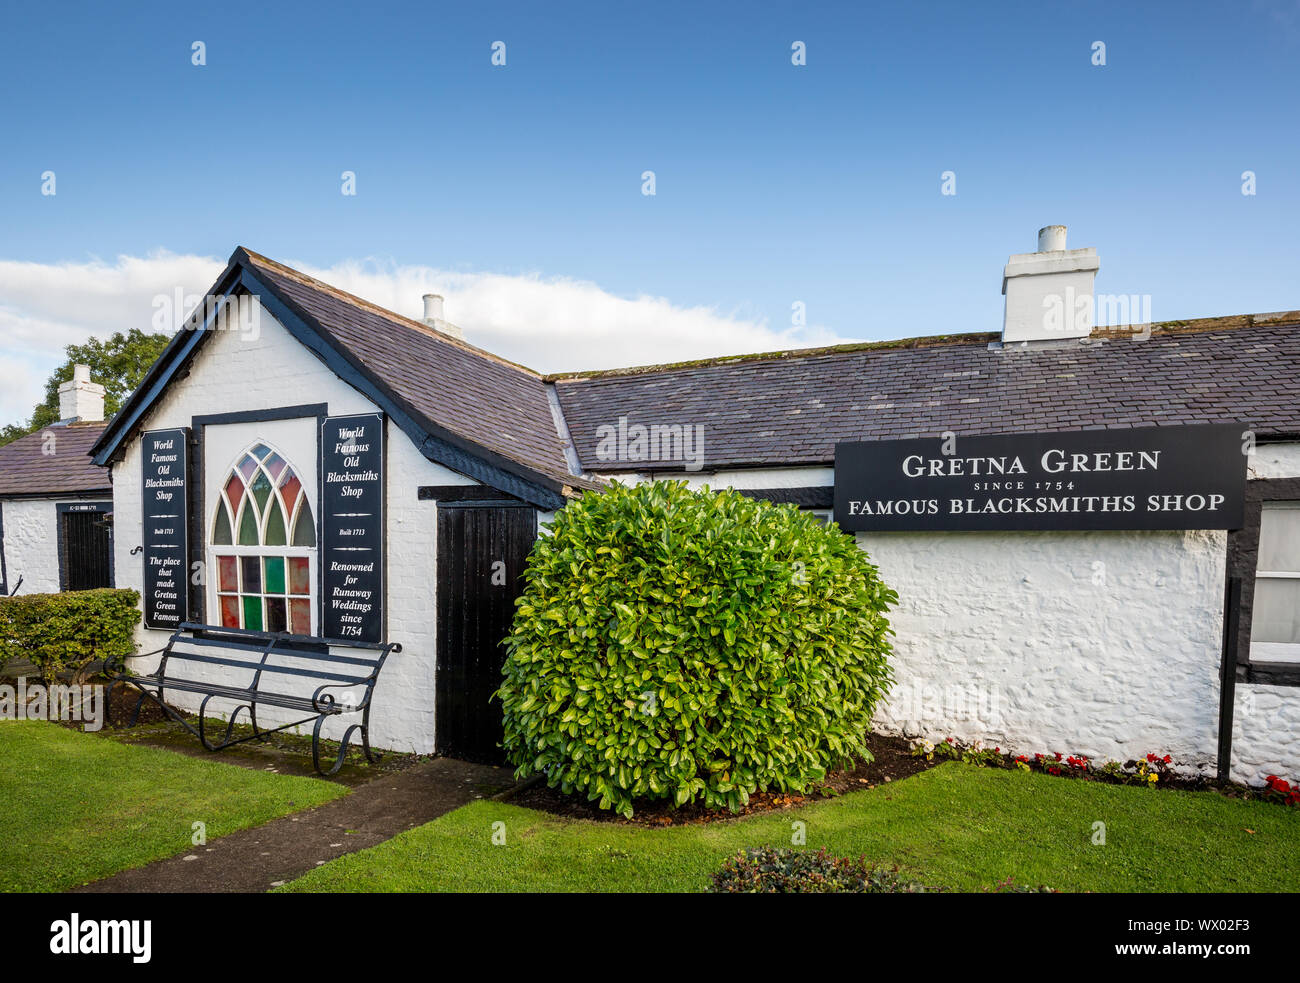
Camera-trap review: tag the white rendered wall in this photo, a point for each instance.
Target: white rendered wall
(31, 544)
(1274, 461)
(236, 374)
(1099, 643)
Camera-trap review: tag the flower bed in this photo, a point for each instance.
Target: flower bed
(1150, 770)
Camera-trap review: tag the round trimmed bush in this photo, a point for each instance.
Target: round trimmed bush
(692, 645)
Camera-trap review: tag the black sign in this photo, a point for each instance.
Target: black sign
(1149, 478)
(166, 527)
(352, 528)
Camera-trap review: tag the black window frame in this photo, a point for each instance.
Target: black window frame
(1243, 557)
(102, 508)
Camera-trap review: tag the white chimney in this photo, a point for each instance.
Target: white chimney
(432, 308)
(1049, 293)
(433, 317)
(80, 399)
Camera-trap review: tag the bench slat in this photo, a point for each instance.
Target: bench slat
(350, 660)
(243, 695)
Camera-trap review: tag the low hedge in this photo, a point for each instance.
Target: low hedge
(66, 632)
(695, 646)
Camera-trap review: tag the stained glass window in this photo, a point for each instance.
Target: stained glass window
(263, 546)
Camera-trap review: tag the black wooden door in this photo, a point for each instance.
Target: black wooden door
(87, 555)
(481, 556)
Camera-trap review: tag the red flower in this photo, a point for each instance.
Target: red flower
(1058, 755)
(1168, 759)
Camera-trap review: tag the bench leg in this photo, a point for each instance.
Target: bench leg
(343, 746)
(371, 755)
(230, 725)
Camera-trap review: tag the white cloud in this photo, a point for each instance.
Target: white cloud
(547, 323)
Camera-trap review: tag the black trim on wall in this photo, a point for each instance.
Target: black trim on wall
(63, 508)
(198, 503)
(1243, 555)
(447, 494)
(807, 497)
(4, 573)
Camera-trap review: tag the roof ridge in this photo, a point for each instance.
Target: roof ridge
(1231, 322)
(424, 329)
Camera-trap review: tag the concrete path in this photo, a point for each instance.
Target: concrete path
(266, 856)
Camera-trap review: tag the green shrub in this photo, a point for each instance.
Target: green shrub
(66, 632)
(769, 871)
(692, 645)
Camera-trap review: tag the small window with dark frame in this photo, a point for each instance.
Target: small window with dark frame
(1275, 618)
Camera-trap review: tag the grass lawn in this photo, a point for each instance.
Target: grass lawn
(955, 825)
(78, 807)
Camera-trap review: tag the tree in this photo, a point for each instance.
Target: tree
(118, 364)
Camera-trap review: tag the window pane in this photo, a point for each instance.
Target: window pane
(274, 566)
(253, 613)
(234, 492)
(261, 489)
(246, 467)
(301, 614)
(276, 618)
(1279, 537)
(227, 574)
(222, 535)
(299, 575)
(304, 529)
(275, 534)
(261, 450)
(289, 492)
(1276, 616)
(252, 571)
(274, 465)
(248, 526)
(230, 612)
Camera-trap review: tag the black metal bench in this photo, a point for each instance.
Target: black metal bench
(286, 658)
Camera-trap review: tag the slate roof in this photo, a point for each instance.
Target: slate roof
(777, 409)
(489, 401)
(791, 408)
(26, 470)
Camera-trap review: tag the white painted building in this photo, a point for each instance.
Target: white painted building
(55, 505)
(1107, 643)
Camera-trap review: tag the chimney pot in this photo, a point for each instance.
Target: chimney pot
(432, 308)
(1051, 238)
(434, 319)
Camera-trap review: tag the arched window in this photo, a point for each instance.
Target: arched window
(263, 546)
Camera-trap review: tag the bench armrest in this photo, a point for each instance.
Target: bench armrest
(115, 665)
(323, 701)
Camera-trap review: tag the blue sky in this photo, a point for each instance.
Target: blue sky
(774, 183)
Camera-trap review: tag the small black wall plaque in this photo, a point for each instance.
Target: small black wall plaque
(1186, 477)
(165, 468)
(352, 528)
